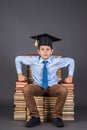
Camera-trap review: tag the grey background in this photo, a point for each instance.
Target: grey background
(20, 19)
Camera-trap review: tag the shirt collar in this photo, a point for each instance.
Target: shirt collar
(49, 59)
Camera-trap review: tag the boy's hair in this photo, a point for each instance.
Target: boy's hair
(49, 46)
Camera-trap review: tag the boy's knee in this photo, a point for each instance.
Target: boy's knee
(28, 89)
(25, 89)
(64, 90)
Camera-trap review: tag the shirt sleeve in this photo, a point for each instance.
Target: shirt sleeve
(67, 62)
(20, 60)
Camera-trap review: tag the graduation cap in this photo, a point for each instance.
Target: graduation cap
(45, 40)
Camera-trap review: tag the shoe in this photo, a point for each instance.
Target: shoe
(34, 121)
(58, 122)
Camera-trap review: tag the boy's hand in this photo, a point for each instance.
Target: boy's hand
(69, 79)
(21, 77)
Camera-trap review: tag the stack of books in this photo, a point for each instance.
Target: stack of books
(40, 106)
(68, 110)
(19, 102)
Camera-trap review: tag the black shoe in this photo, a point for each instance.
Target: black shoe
(58, 122)
(34, 121)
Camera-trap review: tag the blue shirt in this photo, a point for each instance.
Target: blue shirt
(35, 62)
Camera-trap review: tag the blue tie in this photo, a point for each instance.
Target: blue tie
(45, 77)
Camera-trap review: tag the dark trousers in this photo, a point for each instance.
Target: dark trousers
(57, 90)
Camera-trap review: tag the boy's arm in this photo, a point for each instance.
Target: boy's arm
(18, 65)
(21, 77)
(71, 68)
(69, 79)
(64, 62)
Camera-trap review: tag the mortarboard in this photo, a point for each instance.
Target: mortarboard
(45, 39)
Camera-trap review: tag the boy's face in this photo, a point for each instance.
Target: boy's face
(45, 52)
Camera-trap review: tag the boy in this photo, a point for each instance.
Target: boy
(44, 68)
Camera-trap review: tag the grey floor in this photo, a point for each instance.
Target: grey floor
(7, 122)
